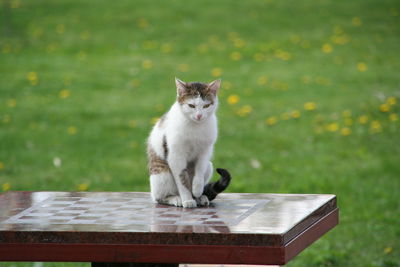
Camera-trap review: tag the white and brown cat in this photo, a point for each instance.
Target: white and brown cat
(180, 147)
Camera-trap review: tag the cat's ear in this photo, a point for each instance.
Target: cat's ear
(214, 86)
(180, 86)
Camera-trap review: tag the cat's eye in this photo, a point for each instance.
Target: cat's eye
(191, 105)
(206, 106)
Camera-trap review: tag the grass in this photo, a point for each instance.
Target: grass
(81, 83)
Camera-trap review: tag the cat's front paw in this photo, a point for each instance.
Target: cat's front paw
(176, 201)
(203, 201)
(189, 203)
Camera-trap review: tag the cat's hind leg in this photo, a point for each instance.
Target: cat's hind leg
(202, 201)
(164, 190)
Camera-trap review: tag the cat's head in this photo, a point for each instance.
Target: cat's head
(197, 100)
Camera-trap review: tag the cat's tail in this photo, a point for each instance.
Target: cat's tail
(211, 190)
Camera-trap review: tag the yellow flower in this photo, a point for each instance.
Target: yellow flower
(83, 187)
(332, 127)
(244, 111)
(1, 165)
(233, 99)
(263, 80)
(147, 64)
(346, 113)
(271, 120)
(345, 131)
(295, 114)
(322, 81)
(356, 21)
(133, 144)
(279, 85)
(32, 78)
(393, 117)
(361, 66)
(143, 23)
(327, 48)
(338, 30)
(295, 39)
(202, 48)
(135, 83)
(232, 35)
(6, 118)
(388, 250)
(285, 116)
(236, 56)
(318, 130)
(81, 55)
(36, 33)
(310, 106)
(239, 43)
(67, 80)
(384, 107)
(11, 103)
(258, 57)
(394, 12)
(340, 39)
(154, 120)
(166, 48)
(319, 118)
(6, 186)
(6, 49)
(183, 67)
(72, 130)
(334, 116)
(213, 39)
(149, 44)
(306, 79)
(391, 100)
(305, 44)
(51, 48)
(375, 127)
(227, 85)
(363, 119)
(338, 60)
(60, 29)
(348, 121)
(281, 54)
(160, 107)
(65, 93)
(216, 72)
(132, 123)
(15, 3)
(85, 35)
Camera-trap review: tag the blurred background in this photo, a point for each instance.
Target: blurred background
(309, 102)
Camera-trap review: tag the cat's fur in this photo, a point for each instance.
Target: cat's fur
(180, 147)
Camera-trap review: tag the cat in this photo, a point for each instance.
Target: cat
(180, 146)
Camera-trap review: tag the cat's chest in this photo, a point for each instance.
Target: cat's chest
(193, 147)
(194, 138)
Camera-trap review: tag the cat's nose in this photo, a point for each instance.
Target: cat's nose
(198, 116)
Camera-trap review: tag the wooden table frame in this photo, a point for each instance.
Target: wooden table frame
(23, 245)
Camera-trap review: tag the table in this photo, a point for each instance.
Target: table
(107, 228)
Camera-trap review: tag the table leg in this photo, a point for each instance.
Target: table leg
(132, 264)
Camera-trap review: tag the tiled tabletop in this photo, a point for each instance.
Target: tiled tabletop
(132, 218)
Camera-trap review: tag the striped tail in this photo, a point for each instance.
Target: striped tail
(211, 190)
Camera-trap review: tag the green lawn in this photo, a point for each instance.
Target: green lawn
(310, 102)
